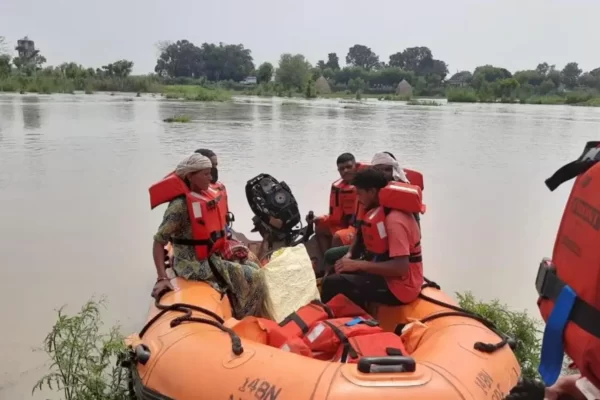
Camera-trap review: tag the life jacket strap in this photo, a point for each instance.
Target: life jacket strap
(589, 158)
(550, 286)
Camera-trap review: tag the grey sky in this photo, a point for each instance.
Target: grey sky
(464, 33)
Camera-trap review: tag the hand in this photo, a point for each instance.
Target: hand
(564, 388)
(161, 286)
(346, 264)
(310, 218)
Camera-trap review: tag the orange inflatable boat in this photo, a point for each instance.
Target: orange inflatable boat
(191, 348)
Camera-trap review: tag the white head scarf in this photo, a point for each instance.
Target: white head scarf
(385, 159)
(193, 163)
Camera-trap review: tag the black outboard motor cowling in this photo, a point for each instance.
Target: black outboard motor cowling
(270, 199)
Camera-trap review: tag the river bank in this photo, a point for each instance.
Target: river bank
(223, 91)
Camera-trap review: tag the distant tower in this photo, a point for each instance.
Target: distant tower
(26, 48)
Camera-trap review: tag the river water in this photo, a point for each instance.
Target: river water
(75, 219)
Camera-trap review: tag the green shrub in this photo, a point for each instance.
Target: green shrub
(83, 359)
(462, 96)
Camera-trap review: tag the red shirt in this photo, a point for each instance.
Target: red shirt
(403, 234)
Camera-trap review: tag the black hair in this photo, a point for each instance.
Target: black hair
(390, 154)
(345, 157)
(206, 152)
(369, 178)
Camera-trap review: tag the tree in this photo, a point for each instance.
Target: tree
(179, 59)
(489, 74)
(119, 69)
(4, 65)
(532, 77)
(225, 62)
(589, 80)
(462, 77)
(543, 68)
(546, 87)
(333, 61)
(293, 71)
(362, 56)
(416, 59)
(3, 45)
(356, 84)
(321, 65)
(570, 74)
(265, 73)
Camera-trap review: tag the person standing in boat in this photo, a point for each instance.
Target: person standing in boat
(216, 184)
(195, 224)
(384, 264)
(335, 229)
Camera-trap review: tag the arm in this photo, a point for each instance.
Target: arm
(158, 253)
(397, 267)
(169, 227)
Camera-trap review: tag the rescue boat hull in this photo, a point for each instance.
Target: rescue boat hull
(190, 359)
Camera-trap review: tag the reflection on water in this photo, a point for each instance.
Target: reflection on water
(32, 112)
(90, 159)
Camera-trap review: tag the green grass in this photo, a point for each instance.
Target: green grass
(394, 97)
(550, 100)
(48, 84)
(195, 93)
(178, 118)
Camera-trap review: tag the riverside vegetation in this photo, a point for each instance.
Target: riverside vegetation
(85, 359)
(212, 72)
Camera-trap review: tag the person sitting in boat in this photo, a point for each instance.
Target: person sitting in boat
(335, 228)
(384, 263)
(387, 164)
(194, 222)
(216, 184)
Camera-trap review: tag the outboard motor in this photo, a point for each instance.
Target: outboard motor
(275, 209)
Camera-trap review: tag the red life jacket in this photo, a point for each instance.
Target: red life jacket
(395, 196)
(574, 271)
(326, 338)
(220, 188)
(342, 201)
(298, 323)
(204, 209)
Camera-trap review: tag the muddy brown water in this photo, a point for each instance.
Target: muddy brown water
(74, 173)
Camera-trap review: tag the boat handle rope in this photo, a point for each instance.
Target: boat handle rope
(236, 342)
(460, 312)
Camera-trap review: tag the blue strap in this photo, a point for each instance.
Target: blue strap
(355, 321)
(552, 346)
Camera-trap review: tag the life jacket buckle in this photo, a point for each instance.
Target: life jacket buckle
(541, 281)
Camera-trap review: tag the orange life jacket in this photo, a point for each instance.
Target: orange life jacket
(342, 201)
(220, 188)
(204, 209)
(326, 338)
(569, 284)
(395, 196)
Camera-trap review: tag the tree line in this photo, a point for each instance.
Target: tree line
(183, 61)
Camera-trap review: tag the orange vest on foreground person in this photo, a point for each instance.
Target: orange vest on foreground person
(569, 284)
(337, 331)
(395, 196)
(341, 203)
(204, 209)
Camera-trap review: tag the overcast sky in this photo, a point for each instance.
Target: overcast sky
(464, 33)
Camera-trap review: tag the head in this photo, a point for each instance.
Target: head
(387, 164)
(346, 165)
(213, 159)
(195, 170)
(368, 183)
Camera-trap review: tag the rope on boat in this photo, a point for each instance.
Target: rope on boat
(460, 312)
(236, 342)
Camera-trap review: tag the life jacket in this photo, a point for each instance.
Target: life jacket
(379, 344)
(204, 209)
(220, 188)
(342, 201)
(395, 196)
(569, 284)
(414, 177)
(325, 338)
(299, 322)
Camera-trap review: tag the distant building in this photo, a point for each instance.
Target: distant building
(322, 85)
(25, 47)
(404, 88)
(249, 80)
